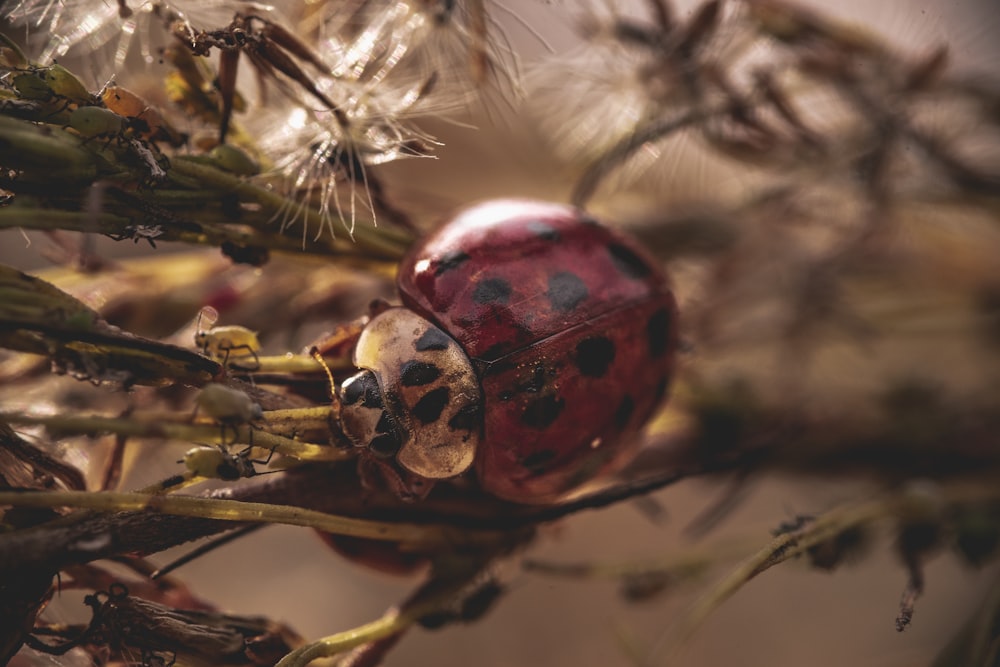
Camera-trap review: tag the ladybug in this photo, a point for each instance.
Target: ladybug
(532, 344)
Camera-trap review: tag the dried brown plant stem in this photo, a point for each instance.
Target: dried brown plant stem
(915, 502)
(327, 489)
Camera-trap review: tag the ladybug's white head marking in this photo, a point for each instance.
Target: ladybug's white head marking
(417, 397)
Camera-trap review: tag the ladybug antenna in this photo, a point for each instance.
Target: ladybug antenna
(314, 353)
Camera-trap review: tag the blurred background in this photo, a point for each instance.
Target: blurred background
(504, 146)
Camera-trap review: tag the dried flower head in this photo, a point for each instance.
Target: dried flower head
(101, 34)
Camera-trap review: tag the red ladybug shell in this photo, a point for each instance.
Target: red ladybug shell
(570, 327)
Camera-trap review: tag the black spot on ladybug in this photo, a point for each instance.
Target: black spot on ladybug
(505, 395)
(566, 291)
(657, 329)
(362, 387)
(466, 419)
(384, 446)
(430, 405)
(450, 260)
(543, 230)
(541, 412)
(628, 262)
(535, 383)
(418, 373)
(433, 339)
(537, 462)
(594, 356)
(491, 290)
(624, 411)
(661, 389)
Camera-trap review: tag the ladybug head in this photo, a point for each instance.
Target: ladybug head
(364, 417)
(416, 399)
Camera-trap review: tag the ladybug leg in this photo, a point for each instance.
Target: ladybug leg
(383, 474)
(339, 343)
(377, 307)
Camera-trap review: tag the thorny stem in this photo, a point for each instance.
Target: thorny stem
(80, 165)
(213, 235)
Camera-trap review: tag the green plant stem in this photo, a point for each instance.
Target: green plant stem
(395, 621)
(114, 224)
(300, 363)
(31, 146)
(377, 242)
(158, 428)
(51, 219)
(422, 535)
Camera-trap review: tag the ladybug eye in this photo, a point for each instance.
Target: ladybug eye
(364, 418)
(362, 387)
